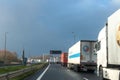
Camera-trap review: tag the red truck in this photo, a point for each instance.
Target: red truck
(64, 59)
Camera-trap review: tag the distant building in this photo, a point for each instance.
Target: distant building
(30, 60)
(37, 59)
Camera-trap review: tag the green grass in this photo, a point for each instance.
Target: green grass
(11, 68)
(14, 68)
(23, 76)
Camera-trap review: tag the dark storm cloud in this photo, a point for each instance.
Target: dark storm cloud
(41, 25)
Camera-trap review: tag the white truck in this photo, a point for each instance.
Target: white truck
(54, 59)
(108, 49)
(81, 56)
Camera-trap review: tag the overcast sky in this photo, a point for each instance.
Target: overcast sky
(41, 25)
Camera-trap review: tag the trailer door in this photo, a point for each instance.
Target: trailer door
(85, 54)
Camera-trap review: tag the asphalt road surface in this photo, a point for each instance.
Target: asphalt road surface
(57, 72)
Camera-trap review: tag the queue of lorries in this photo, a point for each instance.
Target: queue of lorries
(103, 54)
(80, 56)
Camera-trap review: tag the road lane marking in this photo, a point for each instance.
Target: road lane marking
(85, 78)
(68, 70)
(40, 77)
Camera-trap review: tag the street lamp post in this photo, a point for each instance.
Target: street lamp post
(74, 36)
(5, 46)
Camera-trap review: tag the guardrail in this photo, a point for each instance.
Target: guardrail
(9, 75)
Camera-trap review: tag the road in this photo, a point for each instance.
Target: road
(57, 72)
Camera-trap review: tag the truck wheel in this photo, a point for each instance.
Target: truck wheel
(75, 68)
(92, 71)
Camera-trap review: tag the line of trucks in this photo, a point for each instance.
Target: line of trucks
(103, 53)
(80, 56)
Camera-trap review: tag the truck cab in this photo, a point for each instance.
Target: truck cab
(108, 49)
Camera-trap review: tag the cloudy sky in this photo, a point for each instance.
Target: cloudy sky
(41, 25)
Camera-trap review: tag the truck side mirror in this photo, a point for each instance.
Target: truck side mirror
(97, 46)
(94, 50)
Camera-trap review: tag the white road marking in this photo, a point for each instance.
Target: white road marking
(85, 78)
(39, 78)
(68, 70)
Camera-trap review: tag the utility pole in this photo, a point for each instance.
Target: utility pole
(23, 55)
(43, 58)
(23, 58)
(74, 36)
(5, 47)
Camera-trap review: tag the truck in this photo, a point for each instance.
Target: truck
(54, 59)
(55, 56)
(108, 49)
(57, 59)
(64, 58)
(81, 56)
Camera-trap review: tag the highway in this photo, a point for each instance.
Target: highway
(57, 72)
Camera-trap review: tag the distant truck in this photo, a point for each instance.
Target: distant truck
(54, 59)
(57, 59)
(64, 59)
(51, 60)
(108, 49)
(81, 56)
(55, 56)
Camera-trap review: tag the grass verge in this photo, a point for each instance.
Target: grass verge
(23, 76)
(11, 68)
(7, 69)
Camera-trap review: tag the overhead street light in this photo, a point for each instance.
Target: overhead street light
(74, 36)
(5, 46)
